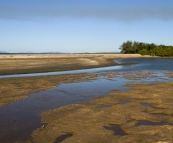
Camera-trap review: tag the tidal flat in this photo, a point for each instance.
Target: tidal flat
(14, 89)
(136, 123)
(125, 106)
(38, 63)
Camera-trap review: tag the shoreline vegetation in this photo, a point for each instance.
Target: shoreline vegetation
(152, 49)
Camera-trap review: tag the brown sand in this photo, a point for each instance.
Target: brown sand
(89, 122)
(35, 63)
(92, 121)
(14, 89)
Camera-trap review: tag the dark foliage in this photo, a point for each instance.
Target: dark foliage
(130, 47)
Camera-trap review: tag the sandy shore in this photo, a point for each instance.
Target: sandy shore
(36, 63)
(26, 56)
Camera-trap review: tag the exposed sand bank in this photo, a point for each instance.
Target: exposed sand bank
(26, 56)
(35, 63)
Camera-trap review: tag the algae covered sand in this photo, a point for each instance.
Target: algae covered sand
(142, 114)
(14, 89)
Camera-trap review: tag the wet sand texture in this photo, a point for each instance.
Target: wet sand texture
(34, 63)
(121, 123)
(14, 89)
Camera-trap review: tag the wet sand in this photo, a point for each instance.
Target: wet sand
(15, 89)
(36, 63)
(142, 114)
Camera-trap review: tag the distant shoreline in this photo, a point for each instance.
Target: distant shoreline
(42, 63)
(35, 55)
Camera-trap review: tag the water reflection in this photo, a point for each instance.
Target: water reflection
(20, 118)
(94, 70)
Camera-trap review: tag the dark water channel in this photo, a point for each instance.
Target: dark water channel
(19, 119)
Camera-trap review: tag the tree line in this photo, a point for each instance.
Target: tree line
(152, 49)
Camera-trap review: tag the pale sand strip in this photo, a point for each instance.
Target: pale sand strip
(24, 56)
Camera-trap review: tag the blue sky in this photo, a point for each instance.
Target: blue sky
(83, 25)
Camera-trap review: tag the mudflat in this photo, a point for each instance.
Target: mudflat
(36, 63)
(142, 114)
(13, 89)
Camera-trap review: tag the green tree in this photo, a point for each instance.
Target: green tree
(126, 47)
(130, 47)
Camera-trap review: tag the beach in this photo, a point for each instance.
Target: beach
(139, 111)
